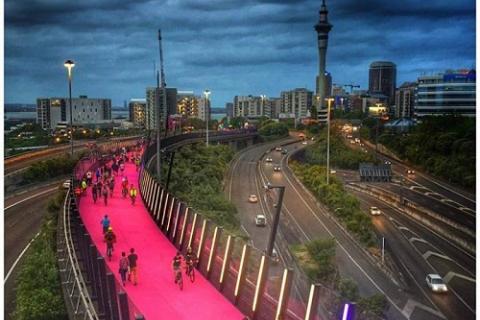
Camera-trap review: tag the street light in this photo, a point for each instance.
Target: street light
(379, 109)
(263, 97)
(276, 218)
(69, 64)
(207, 112)
(329, 100)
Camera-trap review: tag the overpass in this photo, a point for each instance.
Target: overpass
(244, 275)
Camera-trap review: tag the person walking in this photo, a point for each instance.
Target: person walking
(95, 192)
(105, 194)
(122, 167)
(123, 267)
(137, 163)
(105, 223)
(98, 173)
(84, 186)
(132, 264)
(110, 238)
(177, 272)
(89, 177)
(124, 187)
(111, 185)
(133, 193)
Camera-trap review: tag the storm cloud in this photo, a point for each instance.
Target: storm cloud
(230, 47)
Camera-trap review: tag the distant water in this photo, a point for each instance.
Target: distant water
(218, 116)
(19, 115)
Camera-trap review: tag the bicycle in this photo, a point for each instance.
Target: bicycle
(179, 278)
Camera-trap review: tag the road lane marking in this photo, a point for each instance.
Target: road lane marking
(452, 274)
(29, 198)
(20, 257)
(415, 239)
(428, 254)
(411, 305)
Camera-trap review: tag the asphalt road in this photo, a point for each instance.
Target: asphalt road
(22, 221)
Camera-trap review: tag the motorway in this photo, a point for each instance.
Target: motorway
(23, 216)
(414, 249)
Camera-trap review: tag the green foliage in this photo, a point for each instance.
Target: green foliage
(196, 123)
(343, 205)
(372, 307)
(341, 156)
(197, 177)
(348, 289)
(237, 122)
(322, 253)
(341, 114)
(43, 170)
(39, 293)
(443, 146)
(274, 129)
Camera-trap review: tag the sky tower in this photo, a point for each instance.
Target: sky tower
(322, 28)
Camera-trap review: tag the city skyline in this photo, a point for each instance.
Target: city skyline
(230, 47)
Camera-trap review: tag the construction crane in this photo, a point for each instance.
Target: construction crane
(350, 85)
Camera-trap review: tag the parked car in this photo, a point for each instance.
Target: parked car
(374, 211)
(252, 198)
(435, 283)
(260, 220)
(277, 168)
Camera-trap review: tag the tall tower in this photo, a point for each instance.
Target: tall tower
(322, 28)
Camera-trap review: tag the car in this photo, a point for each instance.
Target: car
(374, 211)
(277, 168)
(260, 220)
(252, 198)
(278, 149)
(284, 151)
(435, 283)
(275, 257)
(66, 184)
(268, 159)
(304, 143)
(410, 171)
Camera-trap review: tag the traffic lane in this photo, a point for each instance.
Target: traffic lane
(25, 195)
(21, 223)
(420, 258)
(432, 204)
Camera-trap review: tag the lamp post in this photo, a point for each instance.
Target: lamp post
(379, 113)
(329, 101)
(276, 219)
(69, 64)
(263, 104)
(207, 111)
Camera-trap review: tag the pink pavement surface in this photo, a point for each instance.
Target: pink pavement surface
(156, 296)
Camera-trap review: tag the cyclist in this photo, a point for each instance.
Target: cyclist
(137, 163)
(110, 239)
(177, 272)
(191, 262)
(84, 186)
(133, 193)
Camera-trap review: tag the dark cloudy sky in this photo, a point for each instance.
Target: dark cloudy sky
(230, 47)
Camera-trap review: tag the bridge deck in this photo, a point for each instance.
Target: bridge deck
(156, 295)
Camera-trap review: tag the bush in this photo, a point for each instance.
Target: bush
(39, 294)
(348, 289)
(323, 254)
(343, 205)
(274, 129)
(47, 169)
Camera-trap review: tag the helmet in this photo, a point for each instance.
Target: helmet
(110, 229)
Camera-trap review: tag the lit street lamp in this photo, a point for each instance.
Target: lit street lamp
(69, 64)
(329, 100)
(207, 111)
(379, 110)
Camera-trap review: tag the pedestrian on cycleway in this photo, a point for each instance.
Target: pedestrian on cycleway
(132, 263)
(123, 267)
(105, 223)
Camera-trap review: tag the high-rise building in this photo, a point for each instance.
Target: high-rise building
(275, 107)
(155, 110)
(137, 111)
(53, 112)
(297, 102)
(382, 79)
(322, 28)
(452, 92)
(248, 106)
(204, 108)
(404, 100)
(187, 104)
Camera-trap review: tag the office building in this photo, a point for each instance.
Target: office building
(137, 112)
(229, 110)
(275, 107)
(449, 93)
(53, 112)
(297, 102)
(382, 80)
(404, 100)
(248, 106)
